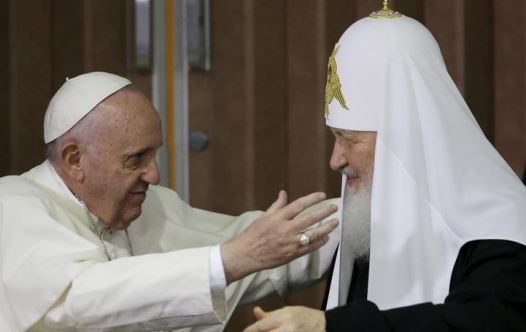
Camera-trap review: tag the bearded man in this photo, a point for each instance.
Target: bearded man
(433, 218)
(89, 242)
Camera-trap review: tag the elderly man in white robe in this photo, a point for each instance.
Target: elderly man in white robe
(434, 220)
(89, 242)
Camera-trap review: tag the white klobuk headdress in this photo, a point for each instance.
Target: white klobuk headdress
(438, 183)
(76, 98)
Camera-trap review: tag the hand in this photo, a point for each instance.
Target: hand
(273, 239)
(288, 319)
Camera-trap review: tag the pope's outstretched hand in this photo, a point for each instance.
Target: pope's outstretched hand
(274, 238)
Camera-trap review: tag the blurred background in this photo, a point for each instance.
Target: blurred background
(240, 85)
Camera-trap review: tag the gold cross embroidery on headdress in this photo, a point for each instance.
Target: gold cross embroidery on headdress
(333, 88)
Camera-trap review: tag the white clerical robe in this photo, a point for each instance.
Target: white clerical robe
(55, 275)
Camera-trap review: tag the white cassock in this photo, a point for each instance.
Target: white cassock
(55, 275)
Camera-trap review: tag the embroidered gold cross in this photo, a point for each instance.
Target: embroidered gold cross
(333, 86)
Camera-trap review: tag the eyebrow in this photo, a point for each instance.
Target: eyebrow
(344, 133)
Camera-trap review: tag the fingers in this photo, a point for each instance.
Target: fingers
(291, 210)
(320, 232)
(312, 246)
(280, 202)
(313, 217)
(267, 324)
(259, 313)
(318, 236)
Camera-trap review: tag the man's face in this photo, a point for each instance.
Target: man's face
(121, 163)
(353, 155)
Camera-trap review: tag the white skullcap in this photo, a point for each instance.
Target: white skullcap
(76, 98)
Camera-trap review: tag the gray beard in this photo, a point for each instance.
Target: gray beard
(356, 233)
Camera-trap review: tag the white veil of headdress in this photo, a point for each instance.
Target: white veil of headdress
(438, 183)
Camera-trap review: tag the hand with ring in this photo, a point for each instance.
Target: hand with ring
(279, 236)
(304, 240)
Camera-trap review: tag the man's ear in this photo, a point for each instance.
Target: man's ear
(71, 159)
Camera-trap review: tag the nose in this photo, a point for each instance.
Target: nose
(152, 175)
(338, 160)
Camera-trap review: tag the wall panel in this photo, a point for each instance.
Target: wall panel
(232, 134)
(365, 7)
(30, 80)
(306, 72)
(270, 100)
(411, 8)
(5, 74)
(510, 81)
(68, 24)
(201, 164)
(105, 36)
(445, 19)
(478, 62)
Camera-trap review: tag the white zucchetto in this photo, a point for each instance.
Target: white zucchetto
(76, 98)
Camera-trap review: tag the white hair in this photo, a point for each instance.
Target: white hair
(356, 221)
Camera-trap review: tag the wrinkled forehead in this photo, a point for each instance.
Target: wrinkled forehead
(126, 118)
(338, 132)
(365, 140)
(126, 105)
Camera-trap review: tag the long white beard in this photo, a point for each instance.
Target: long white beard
(357, 221)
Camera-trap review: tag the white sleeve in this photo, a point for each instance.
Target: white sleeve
(218, 282)
(157, 291)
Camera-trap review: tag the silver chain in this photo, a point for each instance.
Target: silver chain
(93, 227)
(101, 235)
